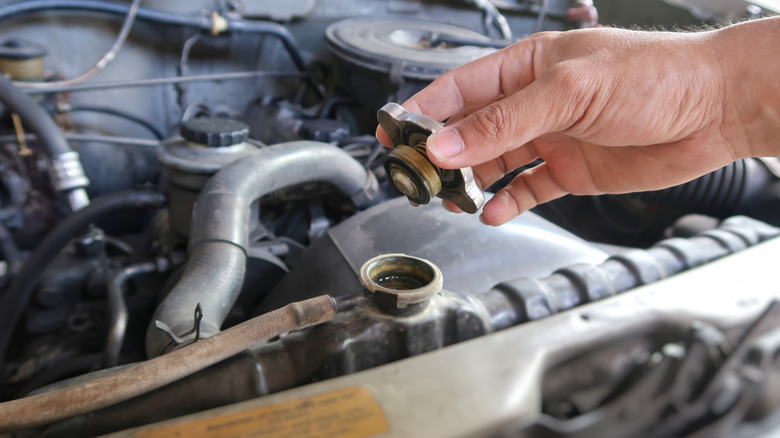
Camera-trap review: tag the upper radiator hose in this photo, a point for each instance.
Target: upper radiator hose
(219, 235)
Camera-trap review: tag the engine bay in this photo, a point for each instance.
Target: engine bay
(200, 235)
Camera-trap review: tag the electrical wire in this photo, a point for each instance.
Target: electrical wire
(183, 67)
(185, 53)
(116, 113)
(270, 28)
(102, 62)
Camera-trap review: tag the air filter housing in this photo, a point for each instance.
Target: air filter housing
(398, 57)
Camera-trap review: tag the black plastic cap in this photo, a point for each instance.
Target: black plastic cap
(215, 131)
(18, 48)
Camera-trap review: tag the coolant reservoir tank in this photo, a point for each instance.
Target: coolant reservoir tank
(204, 147)
(22, 60)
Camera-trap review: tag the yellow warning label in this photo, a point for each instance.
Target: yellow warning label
(346, 413)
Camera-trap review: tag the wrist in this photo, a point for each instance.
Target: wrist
(749, 61)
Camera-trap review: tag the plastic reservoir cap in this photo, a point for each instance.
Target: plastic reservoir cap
(215, 131)
(19, 48)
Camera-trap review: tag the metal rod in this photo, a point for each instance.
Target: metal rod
(87, 138)
(67, 108)
(168, 81)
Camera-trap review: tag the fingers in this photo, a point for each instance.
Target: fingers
(552, 103)
(530, 188)
(382, 136)
(449, 206)
(479, 82)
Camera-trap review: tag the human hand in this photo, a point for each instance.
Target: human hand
(608, 110)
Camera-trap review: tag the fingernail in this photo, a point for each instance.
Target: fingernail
(445, 145)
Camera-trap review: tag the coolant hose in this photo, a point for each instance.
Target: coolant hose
(219, 234)
(124, 383)
(211, 280)
(15, 299)
(67, 174)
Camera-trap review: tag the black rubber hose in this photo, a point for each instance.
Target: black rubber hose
(8, 248)
(18, 295)
(720, 193)
(117, 113)
(203, 23)
(34, 118)
(67, 174)
(270, 28)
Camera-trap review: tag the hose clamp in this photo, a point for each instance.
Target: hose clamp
(67, 172)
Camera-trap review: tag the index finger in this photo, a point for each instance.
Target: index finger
(479, 82)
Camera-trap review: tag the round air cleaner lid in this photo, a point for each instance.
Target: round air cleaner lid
(419, 49)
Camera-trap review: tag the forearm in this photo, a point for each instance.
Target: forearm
(749, 55)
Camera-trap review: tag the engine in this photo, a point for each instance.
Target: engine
(200, 235)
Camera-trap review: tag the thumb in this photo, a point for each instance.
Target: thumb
(552, 103)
